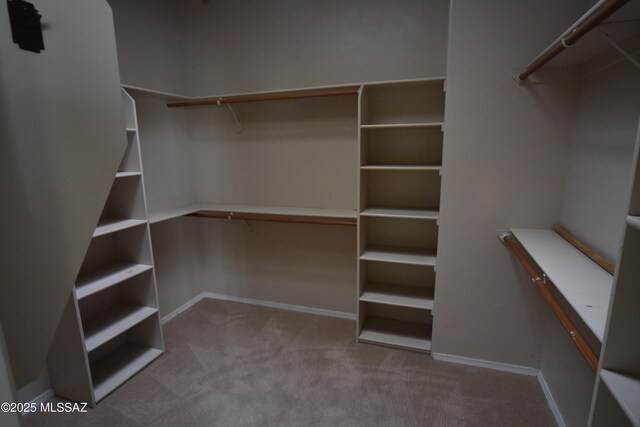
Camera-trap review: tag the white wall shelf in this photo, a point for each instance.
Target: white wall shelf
(396, 333)
(400, 213)
(409, 168)
(116, 368)
(127, 174)
(108, 226)
(402, 296)
(584, 284)
(106, 326)
(107, 276)
(403, 125)
(626, 390)
(400, 255)
(132, 130)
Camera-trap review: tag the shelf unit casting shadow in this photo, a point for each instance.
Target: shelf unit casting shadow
(295, 219)
(278, 96)
(569, 326)
(595, 16)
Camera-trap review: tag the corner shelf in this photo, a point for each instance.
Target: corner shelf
(396, 333)
(398, 295)
(128, 174)
(399, 255)
(106, 276)
(626, 390)
(108, 226)
(106, 326)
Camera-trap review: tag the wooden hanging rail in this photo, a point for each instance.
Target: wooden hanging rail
(593, 255)
(296, 219)
(569, 326)
(277, 96)
(595, 16)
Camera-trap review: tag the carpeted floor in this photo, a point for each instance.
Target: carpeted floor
(229, 364)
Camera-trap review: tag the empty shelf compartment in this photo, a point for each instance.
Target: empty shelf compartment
(107, 276)
(397, 333)
(400, 255)
(626, 390)
(111, 323)
(400, 213)
(113, 225)
(117, 367)
(399, 295)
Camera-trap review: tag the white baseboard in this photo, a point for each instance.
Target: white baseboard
(506, 367)
(261, 303)
(498, 366)
(550, 400)
(41, 398)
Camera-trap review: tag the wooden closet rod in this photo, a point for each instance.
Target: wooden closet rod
(568, 325)
(593, 255)
(316, 93)
(295, 219)
(595, 16)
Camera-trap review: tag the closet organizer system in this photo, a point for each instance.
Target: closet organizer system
(111, 328)
(605, 297)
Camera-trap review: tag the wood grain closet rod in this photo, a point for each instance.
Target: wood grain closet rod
(568, 325)
(266, 97)
(595, 16)
(595, 257)
(295, 219)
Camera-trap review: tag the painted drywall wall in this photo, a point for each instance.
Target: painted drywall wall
(62, 132)
(227, 47)
(598, 172)
(150, 48)
(505, 147)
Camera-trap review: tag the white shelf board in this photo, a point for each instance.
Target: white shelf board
(132, 130)
(398, 295)
(113, 225)
(401, 168)
(396, 333)
(634, 221)
(402, 125)
(254, 209)
(117, 367)
(399, 255)
(626, 390)
(111, 323)
(585, 285)
(107, 276)
(400, 213)
(127, 174)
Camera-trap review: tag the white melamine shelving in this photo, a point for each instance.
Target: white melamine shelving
(400, 213)
(584, 284)
(106, 276)
(116, 368)
(401, 168)
(114, 225)
(399, 255)
(402, 125)
(111, 327)
(398, 295)
(396, 333)
(634, 221)
(626, 390)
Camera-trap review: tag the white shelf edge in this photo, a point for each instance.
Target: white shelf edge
(402, 125)
(400, 256)
(634, 221)
(132, 130)
(396, 333)
(626, 390)
(398, 295)
(401, 167)
(127, 174)
(425, 214)
(115, 225)
(107, 276)
(118, 367)
(108, 325)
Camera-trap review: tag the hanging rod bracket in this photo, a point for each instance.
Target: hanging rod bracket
(620, 49)
(238, 126)
(503, 235)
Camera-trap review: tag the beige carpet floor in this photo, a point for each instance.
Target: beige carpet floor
(229, 364)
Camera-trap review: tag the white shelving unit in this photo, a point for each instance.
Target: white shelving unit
(111, 327)
(616, 399)
(400, 164)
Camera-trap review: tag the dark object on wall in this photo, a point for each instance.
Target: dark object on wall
(25, 25)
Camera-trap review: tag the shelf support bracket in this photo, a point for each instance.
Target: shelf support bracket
(620, 49)
(238, 127)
